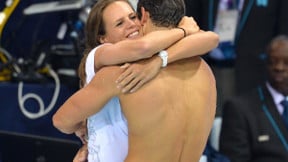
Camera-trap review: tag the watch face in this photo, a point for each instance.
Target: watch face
(164, 56)
(163, 53)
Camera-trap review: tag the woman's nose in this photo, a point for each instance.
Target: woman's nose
(131, 23)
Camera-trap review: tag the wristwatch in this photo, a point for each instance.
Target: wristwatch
(164, 56)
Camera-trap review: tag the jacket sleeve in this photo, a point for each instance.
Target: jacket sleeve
(234, 139)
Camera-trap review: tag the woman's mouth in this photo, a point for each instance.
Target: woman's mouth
(133, 35)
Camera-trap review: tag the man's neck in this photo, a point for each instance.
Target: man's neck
(152, 28)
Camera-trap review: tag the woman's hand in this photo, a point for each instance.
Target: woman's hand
(137, 74)
(189, 25)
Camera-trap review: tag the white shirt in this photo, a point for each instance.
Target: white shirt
(277, 98)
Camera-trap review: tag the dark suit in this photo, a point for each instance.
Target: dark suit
(247, 134)
(257, 26)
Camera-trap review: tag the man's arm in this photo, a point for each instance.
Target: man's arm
(87, 101)
(82, 154)
(130, 50)
(135, 49)
(193, 45)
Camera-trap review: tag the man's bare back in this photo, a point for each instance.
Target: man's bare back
(170, 118)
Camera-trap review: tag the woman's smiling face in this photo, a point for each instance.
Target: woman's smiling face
(121, 22)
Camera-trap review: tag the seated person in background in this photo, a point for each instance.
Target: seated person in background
(253, 127)
(176, 141)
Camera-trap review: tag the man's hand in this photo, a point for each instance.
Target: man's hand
(189, 25)
(137, 74)
(81, 133)
(82, 154)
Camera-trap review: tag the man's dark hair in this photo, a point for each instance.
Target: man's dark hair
(277, 39)
(163, 13)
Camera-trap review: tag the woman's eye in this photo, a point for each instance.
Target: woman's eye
(119, 23)
(133, 17)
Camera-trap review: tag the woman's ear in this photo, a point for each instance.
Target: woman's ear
(102, 39)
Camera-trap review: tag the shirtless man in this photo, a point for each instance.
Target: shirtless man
(163, 116)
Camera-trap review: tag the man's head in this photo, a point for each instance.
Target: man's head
(163, 13)
(277, 63)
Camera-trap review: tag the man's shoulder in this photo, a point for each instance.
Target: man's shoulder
(106, 77)
(109, 72)
(244, 102)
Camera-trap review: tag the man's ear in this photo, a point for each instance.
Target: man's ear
(145, 15)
